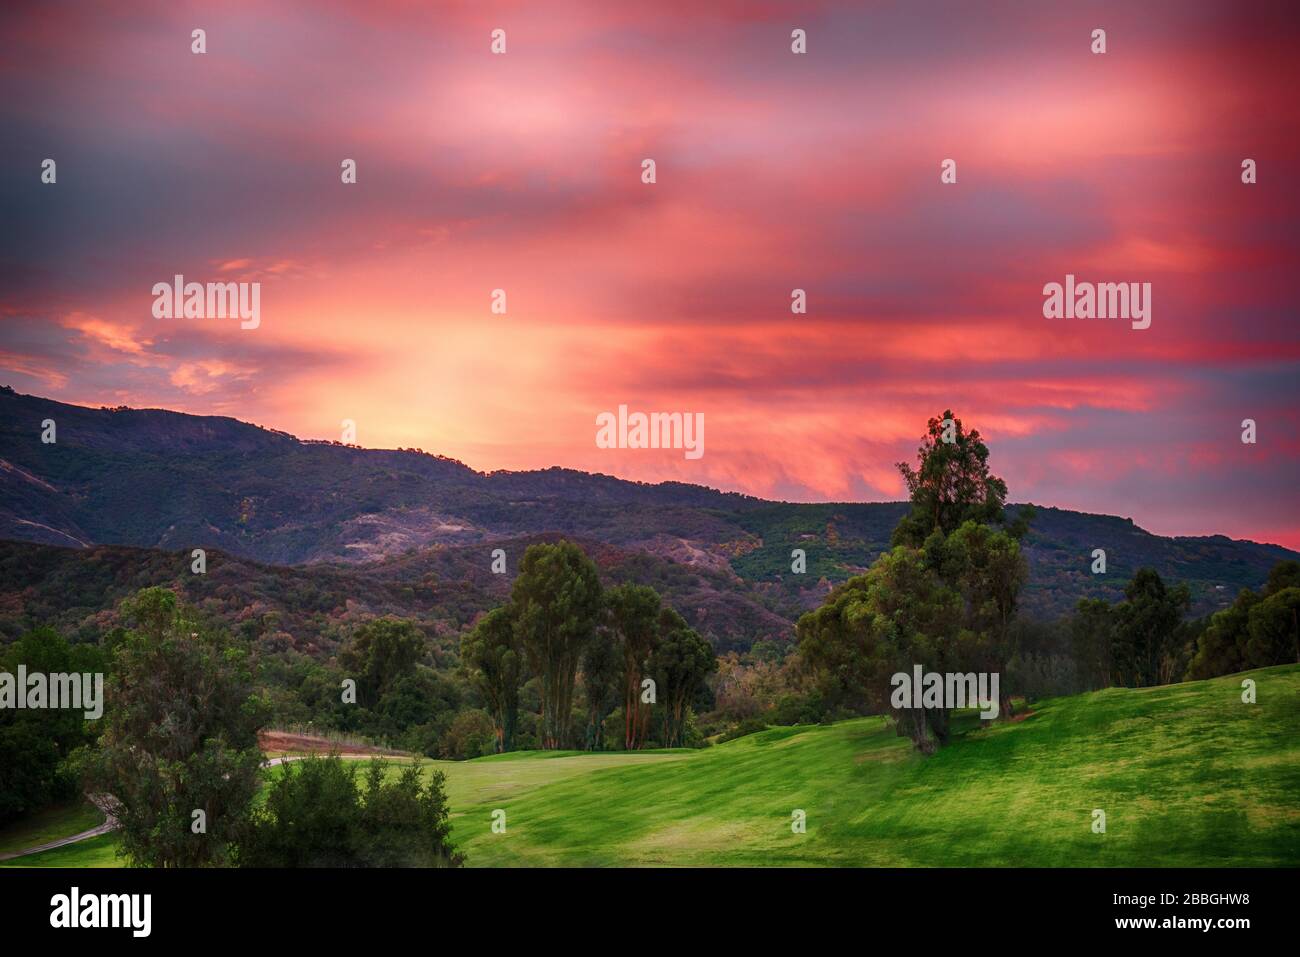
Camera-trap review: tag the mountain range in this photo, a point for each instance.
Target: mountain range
(122, 496)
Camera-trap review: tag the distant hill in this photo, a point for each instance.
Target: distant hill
(167, 481)
(310, 608)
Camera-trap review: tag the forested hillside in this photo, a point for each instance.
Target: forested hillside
(165, 480)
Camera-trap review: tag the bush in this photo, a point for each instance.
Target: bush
(471, 735)
(748, 726)
(794, 709)
(318, 815)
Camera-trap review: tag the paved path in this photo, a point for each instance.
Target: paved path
(83, 836)
(101, 801)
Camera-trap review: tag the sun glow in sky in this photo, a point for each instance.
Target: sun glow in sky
(774, 172)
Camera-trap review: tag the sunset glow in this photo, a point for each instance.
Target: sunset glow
(774, 173)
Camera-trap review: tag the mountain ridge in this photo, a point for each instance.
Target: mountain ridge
(172, 481)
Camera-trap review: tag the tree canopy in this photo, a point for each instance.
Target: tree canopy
(180, 736)
(951, 483)
(557, 603)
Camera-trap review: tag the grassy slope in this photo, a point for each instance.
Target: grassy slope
(61, 820)
(96, 852)
(1187, 775)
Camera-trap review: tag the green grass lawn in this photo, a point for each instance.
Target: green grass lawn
(59, 820)
(96, 852)
(1187, 775)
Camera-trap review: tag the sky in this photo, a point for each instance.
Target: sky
(774, 171)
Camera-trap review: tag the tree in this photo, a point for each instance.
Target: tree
(1275, 625)
(380, 652)
(1284, 574)
(36, 743)
(557, 600)
(1258, 629)
(494, 662)
(1144, 651)
(987, 568)
(951, 484)
(180, 736)
(943, 599)
(415, 712)
(837, 647)
(1221, 648)
(1274, 628)
(746, 688)
(680, 664)
(472, 735)
(602, 683)
(633, 615)
(317, 815)
(898, 615)
(1092, 632)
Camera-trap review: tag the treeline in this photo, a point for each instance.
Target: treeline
(1260, 629)
(562, 642)
(600, 659)
(175, 757)
(1146, 639)
(564, 663)
(947, 596)
(37, 744)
